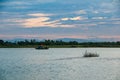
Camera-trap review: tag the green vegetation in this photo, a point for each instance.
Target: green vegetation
(55, 44)
(89, 54)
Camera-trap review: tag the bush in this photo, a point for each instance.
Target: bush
(89, 54)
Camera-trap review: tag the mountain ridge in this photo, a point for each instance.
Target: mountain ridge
(63, 39)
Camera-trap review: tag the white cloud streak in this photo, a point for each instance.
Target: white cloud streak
(39, 14)
(80, 12)
(74, 18)
(99, 18)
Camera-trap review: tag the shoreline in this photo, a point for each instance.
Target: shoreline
(60, 46)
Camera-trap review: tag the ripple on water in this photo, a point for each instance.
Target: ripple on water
(58, 64)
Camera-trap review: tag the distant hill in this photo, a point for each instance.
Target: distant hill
(19, 39)
(65, 40)
(75, 39)
(83, 40)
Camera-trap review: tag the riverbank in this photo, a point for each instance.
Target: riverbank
(56, 44)
(59, 46)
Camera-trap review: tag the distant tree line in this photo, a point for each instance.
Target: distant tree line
(34, 43)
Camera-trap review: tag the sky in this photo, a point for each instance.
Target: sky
(52, 19)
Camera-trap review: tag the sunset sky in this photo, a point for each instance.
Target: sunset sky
(52, 19)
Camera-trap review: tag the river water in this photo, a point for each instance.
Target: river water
(59, 64)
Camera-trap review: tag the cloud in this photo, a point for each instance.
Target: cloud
(42, 36)
(39, 22)
(80, 12)
(110, 7)
(74, 18)
(99, 18)
(45, 1)
(95, 11)
(116, 37)
(65, 19)
(77, 18)
(25, 36)
(117, 22)
(39, 14)
(115, 19)
(85, 26)
(15, 3)
(102, 23)
(45, 20)
(57, 36)
(72, 36)
(42, 20)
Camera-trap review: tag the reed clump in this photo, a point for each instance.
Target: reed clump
(90, 54)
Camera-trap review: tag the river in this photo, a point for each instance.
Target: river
(59, 64)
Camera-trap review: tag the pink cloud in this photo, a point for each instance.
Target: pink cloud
(43, 22)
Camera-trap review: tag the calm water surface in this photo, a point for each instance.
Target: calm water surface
(59, 64)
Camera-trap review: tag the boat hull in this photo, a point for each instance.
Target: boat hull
(42, 48)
